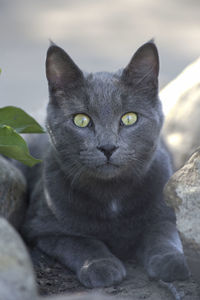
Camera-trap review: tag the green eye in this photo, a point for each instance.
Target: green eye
(129, 118)
(81, 120)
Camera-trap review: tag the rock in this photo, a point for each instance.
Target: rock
(12, 193)
(84, 296)
(181, 104)
(17, 280)
(183, 193)
(188, 78)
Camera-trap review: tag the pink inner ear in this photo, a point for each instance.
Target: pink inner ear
(143, 64)
(149, 62)
(55, 72)
(143, 68)
(54, 68)
(60, 69)
(149, 58)
(146, 57)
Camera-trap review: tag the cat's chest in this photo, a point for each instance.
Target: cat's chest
(114, 216)
(114, 207)
(108, 204)
(113, 220)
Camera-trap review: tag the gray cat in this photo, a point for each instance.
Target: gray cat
(97, 198)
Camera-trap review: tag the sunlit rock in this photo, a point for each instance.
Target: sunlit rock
(183, 193)
(17, 281)
(181, 105)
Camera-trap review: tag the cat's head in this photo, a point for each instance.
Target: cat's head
(104, 125)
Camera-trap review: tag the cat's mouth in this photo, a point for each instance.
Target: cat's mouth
(107, 164)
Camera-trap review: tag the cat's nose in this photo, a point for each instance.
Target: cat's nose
(107, 149)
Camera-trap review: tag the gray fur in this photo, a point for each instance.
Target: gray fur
(89, 211)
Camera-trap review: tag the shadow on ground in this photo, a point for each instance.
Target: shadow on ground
(53, 278)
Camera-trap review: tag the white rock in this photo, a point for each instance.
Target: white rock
(83, 296)
(171, 93)
(181, 103)
(13, 192)
(182, 192)
(17, 280)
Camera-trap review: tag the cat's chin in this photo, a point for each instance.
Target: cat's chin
(108, 171)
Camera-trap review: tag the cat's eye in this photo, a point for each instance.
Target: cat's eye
(129, 118)
(81, 120)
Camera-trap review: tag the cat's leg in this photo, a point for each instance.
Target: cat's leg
(93, 263)
(161, 253)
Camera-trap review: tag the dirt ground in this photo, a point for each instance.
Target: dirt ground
(53, 278)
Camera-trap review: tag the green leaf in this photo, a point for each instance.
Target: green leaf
(13, 145)
(19, 120)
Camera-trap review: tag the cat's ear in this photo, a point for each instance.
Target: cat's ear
(143, 68)
(61, 71)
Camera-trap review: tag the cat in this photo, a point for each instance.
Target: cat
(97, 198)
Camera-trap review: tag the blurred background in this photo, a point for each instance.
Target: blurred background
(98, 34)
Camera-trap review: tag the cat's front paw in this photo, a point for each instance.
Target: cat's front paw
(101, 272)
(168, 267)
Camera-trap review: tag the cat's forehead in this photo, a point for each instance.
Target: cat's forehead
(105, 96)
(106, 93)
(103, 90)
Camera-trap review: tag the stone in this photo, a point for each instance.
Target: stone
(83, 296)
(12, 192)
(187, 79)
(181, 105)
(17, 280)
(182, 192)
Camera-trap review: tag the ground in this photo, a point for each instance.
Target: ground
(53, 278)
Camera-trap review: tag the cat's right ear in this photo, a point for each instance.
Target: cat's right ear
(61, 71)
(142, 70)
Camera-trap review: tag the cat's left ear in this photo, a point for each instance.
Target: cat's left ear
(143, 69)
(61, 71)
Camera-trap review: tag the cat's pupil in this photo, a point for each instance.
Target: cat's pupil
(81, 120)
(129, 118)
